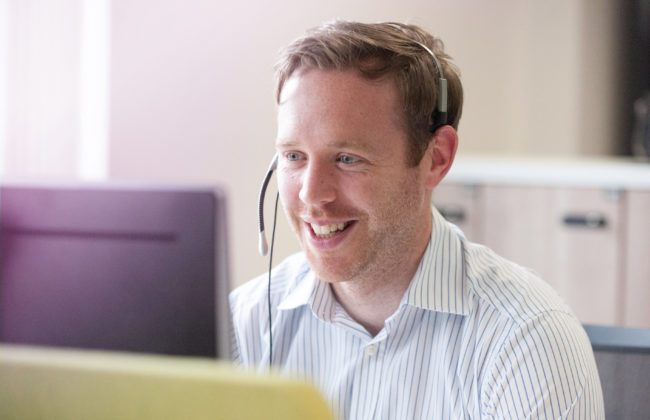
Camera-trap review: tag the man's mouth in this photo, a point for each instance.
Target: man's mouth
(328, 231)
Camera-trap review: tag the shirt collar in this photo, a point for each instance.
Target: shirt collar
(438, 284)
(301, 293)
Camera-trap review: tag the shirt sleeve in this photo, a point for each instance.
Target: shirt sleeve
(544, 369)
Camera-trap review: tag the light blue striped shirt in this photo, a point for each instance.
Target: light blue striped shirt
(475, 336)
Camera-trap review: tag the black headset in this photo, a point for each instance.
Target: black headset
(438, 119)
(439, 115)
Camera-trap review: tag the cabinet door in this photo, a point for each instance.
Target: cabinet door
(570, 236)
(586, 252)
(516, 225)
(460, 203)
(637, 271)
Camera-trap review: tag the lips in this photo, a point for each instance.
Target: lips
(327, 236)
(328, 231)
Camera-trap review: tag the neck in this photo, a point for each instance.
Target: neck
(374, 298)
(370, 306)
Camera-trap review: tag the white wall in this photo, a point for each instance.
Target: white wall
(191, 88)
(40, 90)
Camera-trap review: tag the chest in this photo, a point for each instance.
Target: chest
(422, 365)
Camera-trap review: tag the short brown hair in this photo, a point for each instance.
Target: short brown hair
(377, 50)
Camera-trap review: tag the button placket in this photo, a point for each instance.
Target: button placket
(371, 349)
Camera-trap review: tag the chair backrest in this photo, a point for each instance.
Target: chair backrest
(623, 359)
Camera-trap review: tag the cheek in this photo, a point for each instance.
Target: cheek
(289, 188)
(395, 198)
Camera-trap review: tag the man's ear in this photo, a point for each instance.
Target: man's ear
(440, 154)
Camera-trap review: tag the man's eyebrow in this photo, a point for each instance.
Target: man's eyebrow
(354, 146)
(285, 143)
(338, 144)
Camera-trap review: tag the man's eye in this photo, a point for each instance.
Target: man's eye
(347, 159)
(292, 156)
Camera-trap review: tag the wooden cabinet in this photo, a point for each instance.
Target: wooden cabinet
(571, 236)
(461, 204)
(587, 255)
(636, 280)
(515, 215)
(589, 240)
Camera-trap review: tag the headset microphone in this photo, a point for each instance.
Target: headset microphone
(263, 244)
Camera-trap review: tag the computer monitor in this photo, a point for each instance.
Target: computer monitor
(623, 360)
(114, 267)
(63, 384)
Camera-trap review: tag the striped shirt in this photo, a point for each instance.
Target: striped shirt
(475, 336)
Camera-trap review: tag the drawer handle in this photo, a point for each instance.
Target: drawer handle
(452, 214)
(591, 220)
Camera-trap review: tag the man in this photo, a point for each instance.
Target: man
(389, 310)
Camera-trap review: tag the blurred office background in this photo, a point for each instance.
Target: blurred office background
(181, 91)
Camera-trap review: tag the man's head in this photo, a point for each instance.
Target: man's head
(378, 51)
(357, 199)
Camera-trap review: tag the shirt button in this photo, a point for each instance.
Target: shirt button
(371, 350)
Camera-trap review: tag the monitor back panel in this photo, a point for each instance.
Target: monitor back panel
(132, 269)
(62, 384)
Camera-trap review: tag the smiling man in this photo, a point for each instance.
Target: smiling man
(389, 310)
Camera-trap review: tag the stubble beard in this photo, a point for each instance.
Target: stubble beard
(390, 248)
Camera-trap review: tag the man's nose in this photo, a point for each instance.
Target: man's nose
(318, 184)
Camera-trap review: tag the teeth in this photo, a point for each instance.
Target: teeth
(327, 231)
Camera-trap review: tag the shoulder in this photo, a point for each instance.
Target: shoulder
(284, 278)
(544, 368)
(249, 308)
(539, 363)
(515, 292)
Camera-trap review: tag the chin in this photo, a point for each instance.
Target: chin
(329, 271)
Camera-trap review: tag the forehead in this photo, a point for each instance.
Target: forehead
(347, 80)
(338, 103)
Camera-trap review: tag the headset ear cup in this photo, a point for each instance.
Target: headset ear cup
(438, 119)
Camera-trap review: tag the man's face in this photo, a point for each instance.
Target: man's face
(357, 207)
